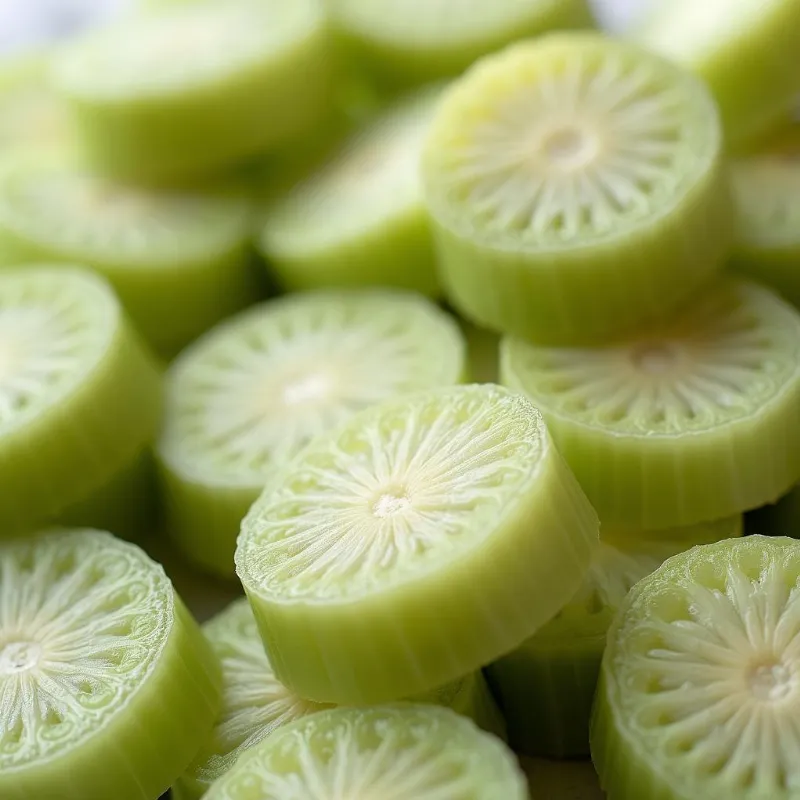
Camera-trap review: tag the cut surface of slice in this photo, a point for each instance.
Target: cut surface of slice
(547, 686)
(688, 422)
(79, 395)
(108, 687)
(452, 499)
(190, 90)
(725, 42)
(577, 189)
(256, 389)
(360, 219)
(700, 682)
(403, 42)
(255, 704)
(179, 261)
(393, 752)
(766, 189)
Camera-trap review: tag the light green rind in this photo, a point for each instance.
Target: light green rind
(745, 50)
(363, 633)
(137, 751)
(360, 220)
(255, 704)
(177, 126)
(179, 261)
(545, 267)
(547, 686)
(730, 444)
(71, 440)
(410, 750)
(409, 43)
(268, 350)
(697, 726)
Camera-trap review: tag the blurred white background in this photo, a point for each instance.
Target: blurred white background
(24, 23)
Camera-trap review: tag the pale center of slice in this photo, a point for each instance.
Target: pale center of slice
(569, 147)
(19, 656)
(307, 389)
(772, 681)
(656, 358)
(392, 502)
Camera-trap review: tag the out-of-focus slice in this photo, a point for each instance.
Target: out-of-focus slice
(453, 499)
(692, 421)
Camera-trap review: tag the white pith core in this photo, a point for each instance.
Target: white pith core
(256, 398)
(725, 357)
(560, 153)
(75, 639)
(374, 759)
(398, 490)
(715, 677)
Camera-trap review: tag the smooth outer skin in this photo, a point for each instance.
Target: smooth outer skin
(651, 479)
(143, 748)
(75, 444)
(398, 59)
(546, 687)
(591, 287)
(425, 631)
(162, 135)
(745, 50)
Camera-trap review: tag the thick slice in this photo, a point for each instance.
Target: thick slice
(577, 189)
(108, 687)
(692, 421)
(699, 693)
(79, 396)
(256, 704)
(767, 192)
(745, 50)
(189, 90)
(253, 391)
(404, 42)
(453, 499)
(547, 686)
(179, 261)
(361, 218)
(403, 750)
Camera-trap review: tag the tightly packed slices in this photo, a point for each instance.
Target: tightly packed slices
(404, 42)
(699, 692)
(108, 687)
(255, 704)
(577, 189)
(30, 112)
(253, 391)
(452, 499)
(79, 396)
(179, 260)
(766, 188)
(547, 686)
(403, 750)
(691, 421)
(360, 219)
(745, 50)
(187, 91)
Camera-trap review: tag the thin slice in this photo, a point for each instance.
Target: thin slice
(255, 704)
(405, 42)
(745, 50)
(692, 421)
(360, 219)
(108, 687)
(547, 686)
(699, 689)
(179, 260)
(452, 499)
(255, 390)
(577, 189)
(79, 395)
(188, 91)
(394, 752)
(767, 192)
